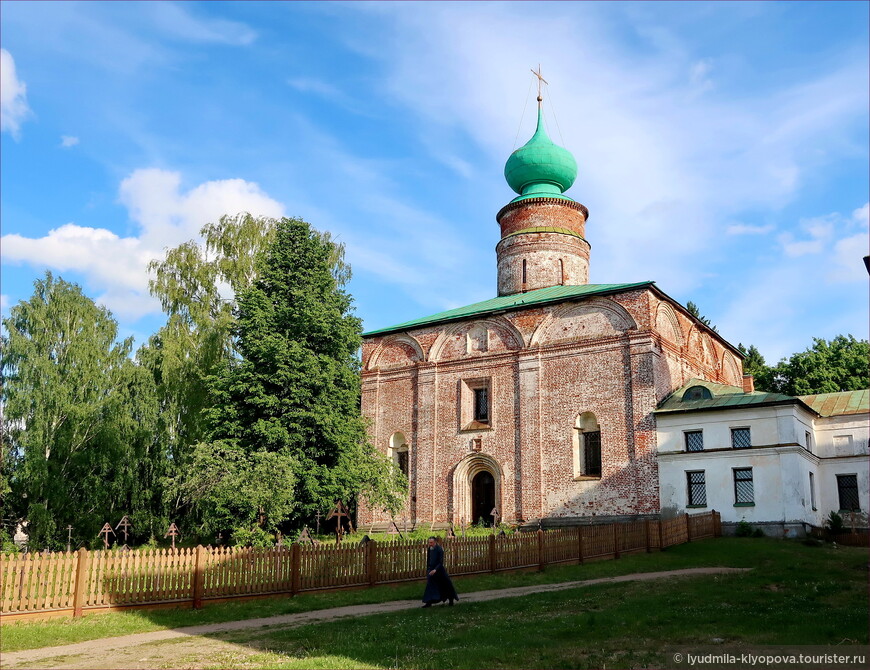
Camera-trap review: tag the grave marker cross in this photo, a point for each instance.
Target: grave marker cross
(105, 533)
(338, 512)
(125, 526)
(173, 533)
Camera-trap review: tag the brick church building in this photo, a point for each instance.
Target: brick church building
(539, 402)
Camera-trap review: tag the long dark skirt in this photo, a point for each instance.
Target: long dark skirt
(439, 587)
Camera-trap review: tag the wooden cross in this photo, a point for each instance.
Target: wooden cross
(172, 532)
(125, 525)
(317, 517)
(69, 538)
(540, 81)
(105, 533)
(337, 512)
(305, 537)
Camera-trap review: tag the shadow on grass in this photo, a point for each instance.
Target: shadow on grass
(613, 625)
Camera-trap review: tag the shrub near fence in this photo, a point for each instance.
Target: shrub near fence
(72, 583)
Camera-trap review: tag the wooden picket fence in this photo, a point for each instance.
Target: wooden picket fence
(76, 582)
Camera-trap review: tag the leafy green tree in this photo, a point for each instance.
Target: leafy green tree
(294, 388)
(755, 365)
(79, 417)
(239, 490)
(196, 284)
(843, 364)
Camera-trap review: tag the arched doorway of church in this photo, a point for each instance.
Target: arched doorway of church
(482, 497)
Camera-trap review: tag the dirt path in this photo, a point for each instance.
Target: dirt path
(169, 648)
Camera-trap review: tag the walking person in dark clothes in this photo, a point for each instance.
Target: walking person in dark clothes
(438, 585)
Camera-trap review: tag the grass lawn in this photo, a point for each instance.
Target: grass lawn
(795, 594)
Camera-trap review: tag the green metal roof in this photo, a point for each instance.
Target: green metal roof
(837, 404)
(516, 301)
(724, 397)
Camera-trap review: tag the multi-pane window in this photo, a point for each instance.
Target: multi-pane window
(694, 440)
(697, 488)
(743, 490)
(481, 405)
(592, 453)
(813, 491)
(403, 462)
(740, 438)
(847, 488)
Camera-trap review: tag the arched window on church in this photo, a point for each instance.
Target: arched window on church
(398, 452)
(524, 271)
(587, 446)
(561, 272)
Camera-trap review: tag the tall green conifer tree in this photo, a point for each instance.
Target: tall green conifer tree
(294, 390)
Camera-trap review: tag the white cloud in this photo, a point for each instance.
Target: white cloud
(848, 259)
(67, 141)
(820, 230)
(322, 88)
(165, 216)
(747, 229)
(861, 216)
(176, 20)
(698, 78)
(847, 263)
(13, 96)
(832, 235)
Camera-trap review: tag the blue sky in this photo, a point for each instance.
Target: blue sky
(722, 147)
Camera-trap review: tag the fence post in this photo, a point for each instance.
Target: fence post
(81, 581)
(717, 524)
(296, 569)
(540, 549)
(580, 545)
(688, 529)
(615, 540)
(492, 564)
(372, 561)
(646, 535)
(198, 577)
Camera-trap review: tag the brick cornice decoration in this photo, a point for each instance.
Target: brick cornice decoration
(542, 201)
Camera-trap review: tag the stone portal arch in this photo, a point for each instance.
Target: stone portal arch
(470, 473)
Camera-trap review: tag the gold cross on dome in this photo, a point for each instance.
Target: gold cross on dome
(540, 81)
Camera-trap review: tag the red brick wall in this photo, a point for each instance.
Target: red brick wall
(616, 357)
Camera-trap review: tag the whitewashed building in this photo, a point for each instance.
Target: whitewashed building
(778, 462)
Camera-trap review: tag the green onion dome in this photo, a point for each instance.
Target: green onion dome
(540, 168)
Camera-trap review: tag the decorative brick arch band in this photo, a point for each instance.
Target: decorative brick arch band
(512, 336)
(618, 318)
(413, 352)
(463, 474)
